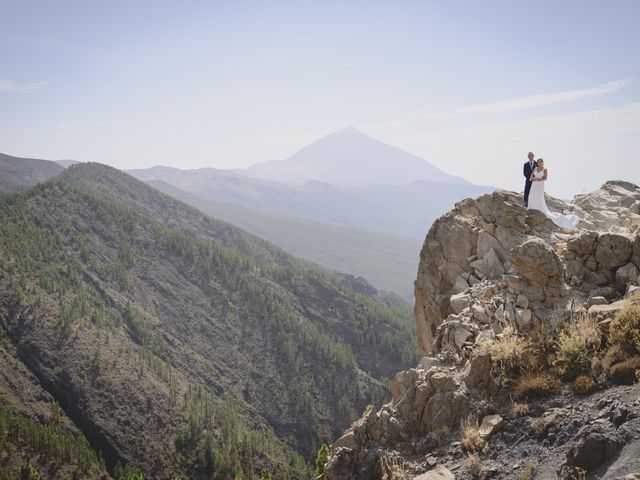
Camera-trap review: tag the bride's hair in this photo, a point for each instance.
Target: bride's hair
(540, 160)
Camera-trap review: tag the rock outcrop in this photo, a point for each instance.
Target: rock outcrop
(495, 241)
(488, 265)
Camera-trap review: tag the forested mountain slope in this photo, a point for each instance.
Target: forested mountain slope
(177, 343)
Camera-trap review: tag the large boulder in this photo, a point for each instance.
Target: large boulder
(635, 257)
(583, 243)
(625, 276)
(612, 250)
(537, 261)
(477, 371)
(591, 447)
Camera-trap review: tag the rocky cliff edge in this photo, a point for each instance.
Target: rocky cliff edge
(499, 289)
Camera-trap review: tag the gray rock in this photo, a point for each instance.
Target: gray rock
(459, 302)
(494, 266)
(490, 424)
(625, 276)
(522, 301)
(487, 242)
(523, 318)
(583, 244)
(537, 261)
(487, 335)
(604, 311)
(597, 301)
(477, 371)
(613, 250)
(438, 473)
(348, 440)
(427, 362)
(592, 446)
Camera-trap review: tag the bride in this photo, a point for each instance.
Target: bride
(537, 201)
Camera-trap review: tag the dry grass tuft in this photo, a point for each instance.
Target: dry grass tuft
(540, 425)
(583, 384)
(579, 474)
(536, 385)
(625, 372)
(473, 467)
(519, 409)
(624, 330)
(510, 354)
(576, 346)
(470, 436)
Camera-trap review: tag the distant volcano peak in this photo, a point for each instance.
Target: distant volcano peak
(351, 157)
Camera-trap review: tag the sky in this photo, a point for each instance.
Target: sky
(469, 86)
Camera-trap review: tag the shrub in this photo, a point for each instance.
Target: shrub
(367, 411)
(540, 425)
(29, 472)
(583, 384)
(519, 409)
(576, 346)
(624, 329)
(579, 474)
(625, 372)
(473, 467)
(511, 354)
(470, 436)
(614, 354)
(535, 385)
(527, 473)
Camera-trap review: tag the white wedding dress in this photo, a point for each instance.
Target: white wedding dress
(537, 202)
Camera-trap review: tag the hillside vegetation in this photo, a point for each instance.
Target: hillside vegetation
(180, 344)
(385, 260)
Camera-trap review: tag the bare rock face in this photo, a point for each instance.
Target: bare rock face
(535, 266)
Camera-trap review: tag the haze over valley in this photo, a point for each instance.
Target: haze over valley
(296, 240)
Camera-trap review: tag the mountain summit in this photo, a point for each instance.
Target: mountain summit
(349, 157)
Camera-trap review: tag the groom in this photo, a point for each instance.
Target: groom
(528, 168)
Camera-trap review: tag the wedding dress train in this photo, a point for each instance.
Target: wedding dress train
(537, 202)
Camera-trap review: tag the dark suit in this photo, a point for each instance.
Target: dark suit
(528, 168)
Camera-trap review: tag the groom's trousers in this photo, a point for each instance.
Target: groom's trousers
(527, 189)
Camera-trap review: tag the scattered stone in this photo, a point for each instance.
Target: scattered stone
(490, 425)
(597, 301)
(522, 302)
(603, 311)
(487, 335)
(427, 362)
(459, 302)
(348, 440)
(625, 276)
(523, 318)
(438, 473)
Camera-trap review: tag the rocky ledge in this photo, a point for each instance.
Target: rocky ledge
(503, 295)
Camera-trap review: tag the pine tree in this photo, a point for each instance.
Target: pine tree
(321, 458)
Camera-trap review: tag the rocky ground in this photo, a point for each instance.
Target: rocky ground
(513, 317)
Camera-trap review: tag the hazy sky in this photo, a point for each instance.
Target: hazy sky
(471, 86)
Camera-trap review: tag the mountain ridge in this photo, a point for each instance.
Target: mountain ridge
(139, 314)
(383, 259)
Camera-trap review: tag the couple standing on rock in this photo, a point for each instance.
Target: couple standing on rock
(535, 175)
